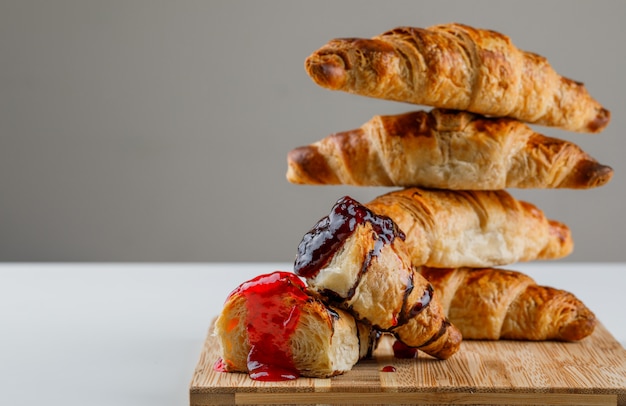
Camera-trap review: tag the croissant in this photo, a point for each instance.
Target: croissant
(274, 329)
(445, 149)
(458, 67)
(451, 229)
(357, 261)
(494, 303)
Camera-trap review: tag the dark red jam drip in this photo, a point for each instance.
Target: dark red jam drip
(403, 317)
(388, 368)
(374, 339)
(423, 302)
(319, 245)
(401, 350)
(273, 309)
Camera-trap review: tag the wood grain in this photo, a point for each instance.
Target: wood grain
(589, 372)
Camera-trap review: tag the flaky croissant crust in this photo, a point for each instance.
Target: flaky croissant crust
(451, 229)
(493, 303)
(326, 342)
(445, 149)
(370, 274)
(459, 67)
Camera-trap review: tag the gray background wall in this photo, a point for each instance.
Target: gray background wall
(158, 131)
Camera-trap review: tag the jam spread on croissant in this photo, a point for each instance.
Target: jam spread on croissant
(273, 309)
(321, 242)
(420, 305)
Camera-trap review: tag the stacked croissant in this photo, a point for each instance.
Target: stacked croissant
(419, 263)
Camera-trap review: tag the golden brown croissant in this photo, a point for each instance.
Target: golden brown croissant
(358, 261)
(494, 303)
(274, 329)
(445, 149)
(457, 67)
(451, 229)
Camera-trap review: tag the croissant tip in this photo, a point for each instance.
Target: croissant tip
(306, 166)
(601, 176)
(327, 70)
(580, 328)
(600, 122)
(590, 174)
(454, 338)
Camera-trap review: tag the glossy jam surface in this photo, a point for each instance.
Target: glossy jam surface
(401, 350)
(320, 243)
(416, 307)
(423, 302)
(273, 309)
(388, 368)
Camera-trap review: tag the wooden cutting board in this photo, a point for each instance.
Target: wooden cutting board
(589, 372)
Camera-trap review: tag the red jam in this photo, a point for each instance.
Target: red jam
(220, 365)
(320, 243)
(273, 309)
(401, 350)
(423, 302)
(388, 368)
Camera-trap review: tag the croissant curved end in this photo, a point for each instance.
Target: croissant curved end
(580, 328)
(327, 70)
(600, 122)
(599, 175)
(306, 166)
(561, 243)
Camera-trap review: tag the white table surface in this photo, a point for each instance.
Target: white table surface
(131, 334)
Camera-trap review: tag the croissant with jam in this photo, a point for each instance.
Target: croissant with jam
(445, 149)
(274, 329)
(357, 260)
(458, 67)
(494, 304)
(451, 229)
